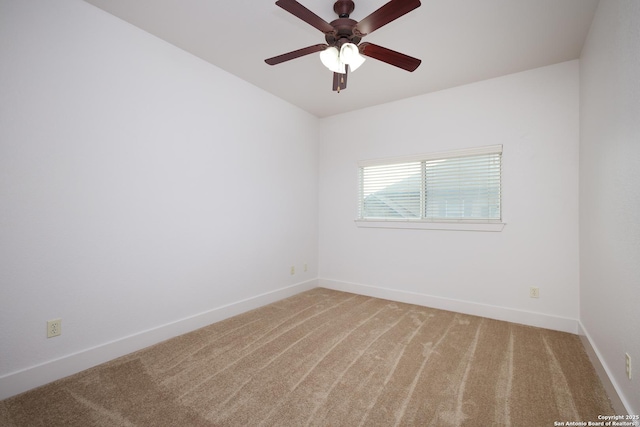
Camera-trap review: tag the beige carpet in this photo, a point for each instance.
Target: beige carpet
(335, 359)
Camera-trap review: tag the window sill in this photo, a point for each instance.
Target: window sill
(428, 225)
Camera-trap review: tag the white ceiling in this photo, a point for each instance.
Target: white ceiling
(458, 41)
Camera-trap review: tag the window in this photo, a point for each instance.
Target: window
(454, 187)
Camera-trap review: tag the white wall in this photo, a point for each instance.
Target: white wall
(610, 192)
(534, 115)
(139, 186)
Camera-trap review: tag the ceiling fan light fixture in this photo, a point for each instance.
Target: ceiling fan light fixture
(330, 58)
(350, 55)
(342, 32)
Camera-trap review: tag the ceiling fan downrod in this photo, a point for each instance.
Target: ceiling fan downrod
(344, 28)
(344, 8)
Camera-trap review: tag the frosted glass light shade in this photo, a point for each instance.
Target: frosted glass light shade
(349, 54)
(330, 58)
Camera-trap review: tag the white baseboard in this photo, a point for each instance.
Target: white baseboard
(493, 312)
(27, 379)
(619, 403)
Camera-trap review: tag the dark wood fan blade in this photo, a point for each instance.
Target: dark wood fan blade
(389, 56)
(387, 13)
(296, 9)
(340, 81)
(296, 54)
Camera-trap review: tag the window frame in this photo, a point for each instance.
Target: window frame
(462, 224)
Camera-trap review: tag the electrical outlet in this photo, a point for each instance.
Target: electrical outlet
(293, 270)
(54, 328)
(305, 267)
(627, 360)
(534, 292)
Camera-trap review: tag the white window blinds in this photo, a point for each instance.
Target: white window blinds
(455, 186)
(392, 191)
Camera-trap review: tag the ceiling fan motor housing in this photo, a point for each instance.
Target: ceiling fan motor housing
(344, 27)
(344, 33)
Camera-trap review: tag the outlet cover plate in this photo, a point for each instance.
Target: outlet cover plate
(54, 328)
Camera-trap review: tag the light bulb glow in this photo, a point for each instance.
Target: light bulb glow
(337, 61)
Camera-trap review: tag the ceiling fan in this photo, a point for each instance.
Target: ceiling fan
(343, 51)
